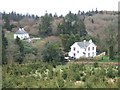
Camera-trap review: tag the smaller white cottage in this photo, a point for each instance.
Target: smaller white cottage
(83, 49)
(22, 34)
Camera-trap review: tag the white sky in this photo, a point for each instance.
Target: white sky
(39, 7)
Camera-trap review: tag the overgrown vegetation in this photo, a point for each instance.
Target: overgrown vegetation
(45, 75)
(20, 54)
(53, 53)
(4, 47)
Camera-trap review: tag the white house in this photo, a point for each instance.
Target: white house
(83, 49)
(22, 34)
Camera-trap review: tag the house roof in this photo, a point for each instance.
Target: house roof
(84, 44)
(21, 31)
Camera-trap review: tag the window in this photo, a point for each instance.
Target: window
(88, 54)
(93, 48)
(74, 54)
(88, 48)
(85, 54)
(74, 48)
(77, 51)
(92, 53)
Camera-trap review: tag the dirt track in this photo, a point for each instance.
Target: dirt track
(91, 62)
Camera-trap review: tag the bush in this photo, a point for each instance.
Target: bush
(60, 82)
(64, 74)
(77, 77)
(50, 74)
(95, 64)
(110, 73)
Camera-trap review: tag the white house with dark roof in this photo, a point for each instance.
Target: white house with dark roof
(22, 34)
(83, 49)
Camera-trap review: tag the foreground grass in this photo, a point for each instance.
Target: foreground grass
(44, 75)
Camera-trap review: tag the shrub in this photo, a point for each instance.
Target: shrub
(50, 74)
(110, 73)
(95, 64)
(60, 82)
(64, 74)
(77, 76)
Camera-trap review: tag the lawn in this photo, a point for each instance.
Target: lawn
(106, 59)
(10, 35)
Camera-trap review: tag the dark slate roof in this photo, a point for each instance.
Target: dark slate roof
(21, 31)
(83, 44)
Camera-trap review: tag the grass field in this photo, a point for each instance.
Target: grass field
(106, 59)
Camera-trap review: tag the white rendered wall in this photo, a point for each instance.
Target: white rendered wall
(21, 36)
(79, 51)
(91, 51)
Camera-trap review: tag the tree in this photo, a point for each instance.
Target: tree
(96, 11)
(68, 40)
(7, 18)
(20, 54)
(7, 23)
(36, 17)
(72, 24)
(111, 41)
(118, 37)
(92, 21)
(45, 28)
(52, 52)
(4, 47)
(101, 12)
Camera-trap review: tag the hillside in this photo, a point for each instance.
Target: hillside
(101, 22)
(41, 63)
(97, 27)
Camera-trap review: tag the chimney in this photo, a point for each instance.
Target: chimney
(84, 40)
(90, 41)
(20, 29)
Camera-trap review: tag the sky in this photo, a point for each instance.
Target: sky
(61, 7)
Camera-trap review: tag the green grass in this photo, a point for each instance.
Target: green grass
(10, 35)
(106, 59)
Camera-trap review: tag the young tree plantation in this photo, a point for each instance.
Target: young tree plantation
(40, 61)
